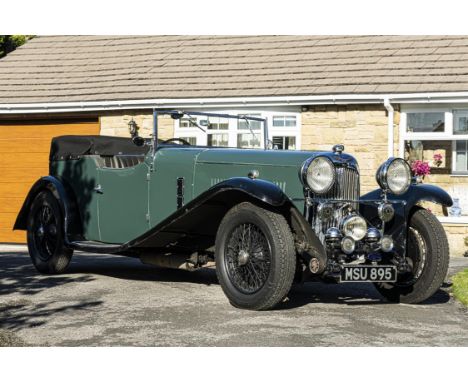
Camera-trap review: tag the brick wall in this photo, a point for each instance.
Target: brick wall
(117, 124)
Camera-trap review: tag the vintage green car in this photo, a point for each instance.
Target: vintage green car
(265, 218)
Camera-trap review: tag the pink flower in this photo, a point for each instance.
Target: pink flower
(420, 168)
(437, 159)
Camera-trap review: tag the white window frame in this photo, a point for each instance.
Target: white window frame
(448, 135)
(454, 158)
(232, 131)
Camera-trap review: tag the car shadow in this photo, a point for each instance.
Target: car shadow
(19, 281)
(357, 294)
(20, 314)
(300, 295)
(132, 269)
(17, 275)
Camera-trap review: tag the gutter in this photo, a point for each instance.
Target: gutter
(390, 121)
(231, 102)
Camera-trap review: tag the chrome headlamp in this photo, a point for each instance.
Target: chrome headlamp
(394, 175)
(318, 174)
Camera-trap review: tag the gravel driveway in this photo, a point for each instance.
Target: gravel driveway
(110, 300)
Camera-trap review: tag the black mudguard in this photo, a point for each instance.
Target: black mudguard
(64, 197)
(404, 205)
(416, 193)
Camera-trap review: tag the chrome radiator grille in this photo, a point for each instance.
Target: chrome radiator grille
(346, 188)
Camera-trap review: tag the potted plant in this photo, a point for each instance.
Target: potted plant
(420, 169)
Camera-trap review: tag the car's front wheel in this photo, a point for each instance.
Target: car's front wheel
(45, 235)
(428, 258)
(255, 257)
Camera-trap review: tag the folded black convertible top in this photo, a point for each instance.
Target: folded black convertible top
(76, 146)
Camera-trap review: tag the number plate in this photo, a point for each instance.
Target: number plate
(372, 273)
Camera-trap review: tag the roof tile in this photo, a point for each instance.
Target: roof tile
(84, 68)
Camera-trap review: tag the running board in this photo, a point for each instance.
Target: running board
(96, 246)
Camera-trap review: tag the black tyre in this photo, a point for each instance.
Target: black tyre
(45, 235)
(428, 256)
(255, 257)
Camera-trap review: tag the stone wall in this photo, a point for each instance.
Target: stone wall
(456, 234)
(363, 131)
(116, 124)
(361, 128)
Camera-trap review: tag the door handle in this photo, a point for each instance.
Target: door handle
(98, 189)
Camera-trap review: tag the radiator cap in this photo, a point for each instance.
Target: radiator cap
(338, 149)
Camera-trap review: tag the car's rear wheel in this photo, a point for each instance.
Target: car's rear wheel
(255, 257)
(45, 235)
(428, 258)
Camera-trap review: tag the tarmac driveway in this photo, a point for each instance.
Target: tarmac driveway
(109, 300)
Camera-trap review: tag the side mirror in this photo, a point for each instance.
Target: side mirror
(138, 141)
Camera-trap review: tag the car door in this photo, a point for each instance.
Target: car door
(122, 203)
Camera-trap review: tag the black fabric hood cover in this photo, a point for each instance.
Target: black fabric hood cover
(76, 146)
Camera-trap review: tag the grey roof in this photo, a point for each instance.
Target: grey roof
(98, 68)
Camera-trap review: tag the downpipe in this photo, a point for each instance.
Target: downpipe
(391, 114)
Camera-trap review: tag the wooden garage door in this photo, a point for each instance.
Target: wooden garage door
(24, 157)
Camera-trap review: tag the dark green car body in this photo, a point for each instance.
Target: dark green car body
(135, 199)
(167, 200)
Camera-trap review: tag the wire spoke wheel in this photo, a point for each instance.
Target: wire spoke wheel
(416, 257)
(427, 255)
(45, 232)
(255, 257)
(248, 258)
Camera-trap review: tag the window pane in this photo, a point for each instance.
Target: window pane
(284, 121)
(216, 123)
(278, 121)
(461, 145)
(461, 124)
(290, 143)
(254, 125)
(284, 143)
(278, 143)
(247, 140)
(218, 140)
(290, 121)
(185, 122)
(461, 161)
(426, 122)
(191, 140)
(438, 153)
(461, 156)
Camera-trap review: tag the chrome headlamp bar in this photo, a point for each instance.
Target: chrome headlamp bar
(394, 175)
